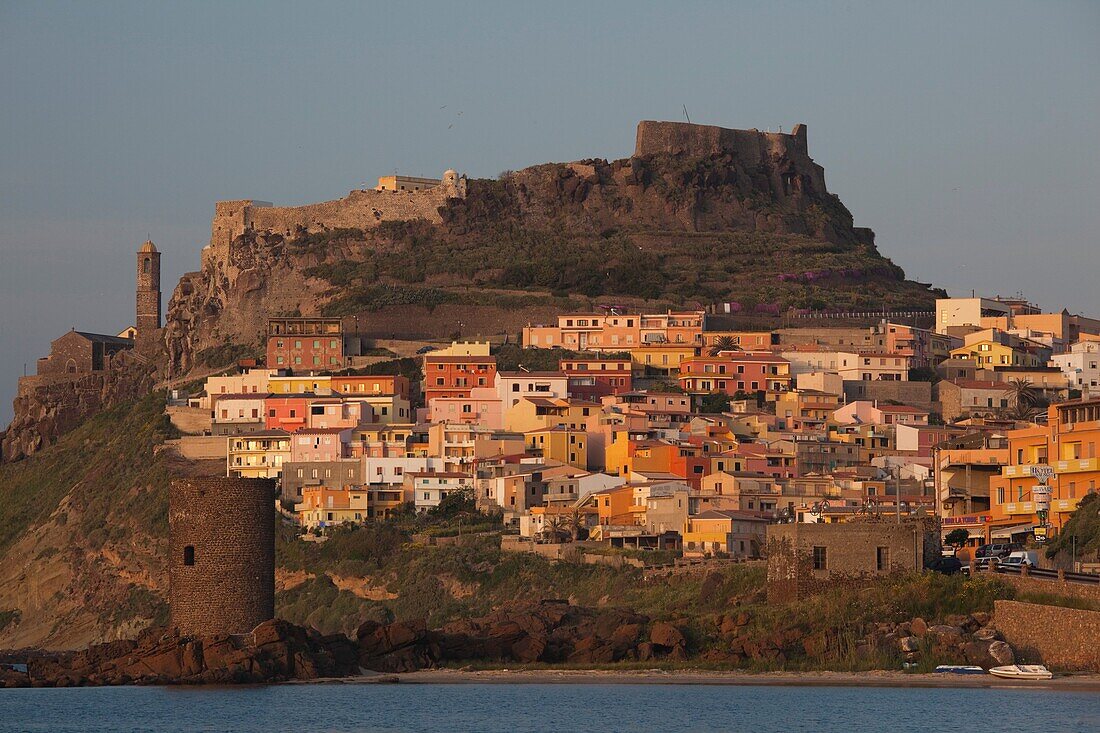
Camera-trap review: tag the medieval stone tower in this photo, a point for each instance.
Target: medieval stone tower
(221, 565)
(148, 290)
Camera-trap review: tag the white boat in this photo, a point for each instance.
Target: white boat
(1022, 672)
(958, 669)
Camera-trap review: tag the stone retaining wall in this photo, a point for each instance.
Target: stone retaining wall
(1053, 587)
(1061, 638)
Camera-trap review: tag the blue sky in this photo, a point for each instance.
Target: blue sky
(964, 133)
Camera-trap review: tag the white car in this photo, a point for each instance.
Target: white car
(1018, 559)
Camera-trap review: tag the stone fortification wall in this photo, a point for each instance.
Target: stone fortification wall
(752, 148)
(357, 210)
(1062, 638)
(225, 582)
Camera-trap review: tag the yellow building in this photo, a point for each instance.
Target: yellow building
(660, 359)
(805, 409)
(300, 385)
(258, 455)
(534, 413)
(398, 183)
(560, 444)
(992, 348)
(723, 531)
(324, 507)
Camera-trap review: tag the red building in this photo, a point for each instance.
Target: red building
(288, 412)
(590, 379)
(455, 376)
(305, 344)
(734, 372)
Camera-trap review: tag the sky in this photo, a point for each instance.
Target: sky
(964, 133)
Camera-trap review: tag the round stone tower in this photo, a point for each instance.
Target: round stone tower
(221, 544)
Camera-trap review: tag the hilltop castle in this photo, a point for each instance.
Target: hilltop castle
(395, 198)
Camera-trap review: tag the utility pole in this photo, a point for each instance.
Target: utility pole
(897, 492)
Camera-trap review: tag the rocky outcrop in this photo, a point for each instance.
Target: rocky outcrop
(275, 651)
(549, 631)
(48, 407)
(685, 190)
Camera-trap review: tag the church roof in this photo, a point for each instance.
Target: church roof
(148, 247)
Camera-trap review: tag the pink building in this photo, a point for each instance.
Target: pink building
(320, 444)
(336, 412)
(869, 413)
(483, 407)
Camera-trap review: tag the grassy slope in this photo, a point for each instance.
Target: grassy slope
(442, 584)
(82, 530)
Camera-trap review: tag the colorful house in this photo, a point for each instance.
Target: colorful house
(1070, 445)
(560, 444)
(732, 372)
(325, 507)
(455, 376)
(258, 455)
(591, 379)
(377, 384)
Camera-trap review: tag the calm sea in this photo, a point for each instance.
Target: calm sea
(490, 708)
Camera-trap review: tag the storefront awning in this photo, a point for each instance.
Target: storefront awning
(1007, 532)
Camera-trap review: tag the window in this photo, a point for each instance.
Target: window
(189, 555)
(820, 558)
(882, 558)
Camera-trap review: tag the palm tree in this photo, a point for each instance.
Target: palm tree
(722, 343)
(1026, 399)
(555, 527)
(576, 525)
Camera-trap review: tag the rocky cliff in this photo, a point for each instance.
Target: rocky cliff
(46, 408)
(698, 215)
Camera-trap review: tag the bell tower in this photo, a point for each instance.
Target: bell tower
(148, 291)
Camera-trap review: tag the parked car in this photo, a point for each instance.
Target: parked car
(946, 565)
(425, 349)
(1018, 559)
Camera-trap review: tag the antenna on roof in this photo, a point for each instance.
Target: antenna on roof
(686, 114)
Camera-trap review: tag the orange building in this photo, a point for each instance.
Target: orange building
(614, 505)
(744, 340)
(455, 376)
(371, 384)
(1070, 445)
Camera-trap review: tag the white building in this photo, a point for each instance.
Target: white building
(1081, 366)
(430, 488)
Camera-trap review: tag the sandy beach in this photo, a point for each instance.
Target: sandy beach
(1076, 683)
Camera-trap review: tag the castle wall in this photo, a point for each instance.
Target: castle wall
(230, 525)
(357, 210)
(752, 148)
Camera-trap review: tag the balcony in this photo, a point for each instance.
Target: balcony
(1076, 465)
(1022, 470)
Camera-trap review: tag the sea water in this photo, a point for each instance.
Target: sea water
(508, 708)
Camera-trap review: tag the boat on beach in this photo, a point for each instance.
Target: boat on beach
(958, 669)
(1022, 672)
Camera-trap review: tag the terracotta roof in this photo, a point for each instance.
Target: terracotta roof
(978, 384)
